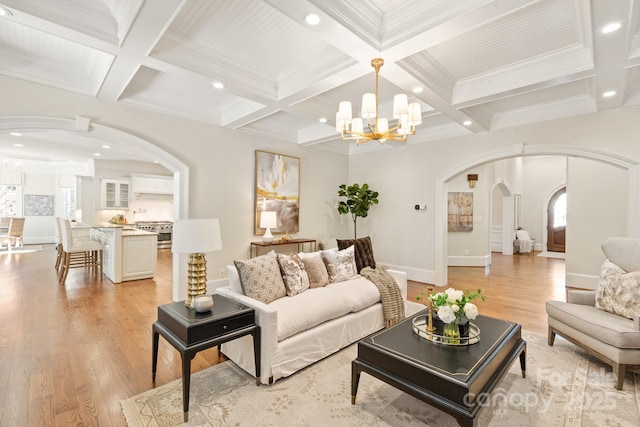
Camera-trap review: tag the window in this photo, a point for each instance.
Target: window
(560, 211)
(9, 198)
(69, 199)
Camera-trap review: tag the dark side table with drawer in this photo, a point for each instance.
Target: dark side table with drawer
(190, 332)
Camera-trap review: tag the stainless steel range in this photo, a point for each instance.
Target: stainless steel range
(163, 228)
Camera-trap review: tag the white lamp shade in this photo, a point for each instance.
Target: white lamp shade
(356, 125)
(400, 106)
(383, 125)
(268, 219)
(344, 111)
(368, 105)
(415, 114)
(196, 235)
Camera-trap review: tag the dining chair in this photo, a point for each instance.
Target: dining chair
(78, 253)
(14, 234)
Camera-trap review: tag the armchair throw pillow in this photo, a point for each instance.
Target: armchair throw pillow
(260, 278)
(294, 274)
(618, 292)
(363, 251)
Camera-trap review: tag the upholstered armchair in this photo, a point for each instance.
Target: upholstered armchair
(605, 322)
(523, 243)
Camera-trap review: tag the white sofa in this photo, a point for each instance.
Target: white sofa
(300, 330)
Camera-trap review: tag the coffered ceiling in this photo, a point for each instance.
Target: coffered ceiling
(493, 63)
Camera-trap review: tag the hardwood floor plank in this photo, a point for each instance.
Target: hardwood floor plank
(69, 354)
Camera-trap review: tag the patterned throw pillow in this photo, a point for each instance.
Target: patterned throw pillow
(294, 274)
(260, 278)
(315, 268)
(363, 250)
(341, 265)
(618, 291)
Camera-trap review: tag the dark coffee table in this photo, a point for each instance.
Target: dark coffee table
(451, 378)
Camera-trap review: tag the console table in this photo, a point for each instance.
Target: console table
(190, 332)
(255, 246)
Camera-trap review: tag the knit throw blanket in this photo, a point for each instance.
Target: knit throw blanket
(392, 302)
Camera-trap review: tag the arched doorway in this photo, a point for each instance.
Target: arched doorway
(557, 221)
(520, 150)
(109, 134)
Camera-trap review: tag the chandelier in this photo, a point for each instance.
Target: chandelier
(377, 128)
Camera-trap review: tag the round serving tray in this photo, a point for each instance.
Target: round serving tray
(419, 326)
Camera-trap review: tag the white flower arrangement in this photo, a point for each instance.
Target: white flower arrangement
(455, 305)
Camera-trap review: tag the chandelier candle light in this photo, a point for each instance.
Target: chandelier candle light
(195, 237)
(407, 116)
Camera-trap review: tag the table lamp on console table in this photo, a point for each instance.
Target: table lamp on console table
(268, 220)
(195, 237)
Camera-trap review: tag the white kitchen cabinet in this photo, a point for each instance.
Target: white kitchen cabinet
(152, 184)
(128, 254)
(115, 194)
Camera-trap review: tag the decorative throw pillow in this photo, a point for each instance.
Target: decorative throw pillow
(315, 268)
(260, 278)
(294, 274)
(341, 265)
(363, 250)
(618, 292)
(234, 279)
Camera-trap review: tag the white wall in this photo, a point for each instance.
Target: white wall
(596, 209)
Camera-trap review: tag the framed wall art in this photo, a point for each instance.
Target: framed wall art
(38, 205)
(460, 211)
(277, 189)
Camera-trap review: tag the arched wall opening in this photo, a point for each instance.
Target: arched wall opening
(522, 150)
(109, 134)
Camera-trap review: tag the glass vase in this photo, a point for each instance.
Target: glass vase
(451, 333)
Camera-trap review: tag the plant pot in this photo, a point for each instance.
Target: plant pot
(451, 333)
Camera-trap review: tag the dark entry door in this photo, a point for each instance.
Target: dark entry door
(557, 221)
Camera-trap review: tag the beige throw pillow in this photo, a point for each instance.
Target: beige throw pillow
(294, 274)
(341, 265)
(618, 292)
(315, 268)
(260, 278)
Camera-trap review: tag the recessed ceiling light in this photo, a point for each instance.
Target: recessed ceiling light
(417, 89)
(97, 154)
(18, 145)
(218, 85)
(106, 146)
(611, 27)
(155, 161)
(322, 120)
(312, 18)
(15, 134)
(467, 123)
(608, 94)
(5, 12)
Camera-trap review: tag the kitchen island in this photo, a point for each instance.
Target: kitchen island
(129, 253)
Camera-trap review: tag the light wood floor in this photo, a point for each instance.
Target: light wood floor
(69, 354)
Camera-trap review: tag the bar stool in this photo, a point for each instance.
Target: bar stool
(82, 253)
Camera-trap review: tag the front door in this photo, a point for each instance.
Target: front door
(557, 221)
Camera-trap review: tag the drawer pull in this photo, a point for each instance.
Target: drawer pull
(224, 327)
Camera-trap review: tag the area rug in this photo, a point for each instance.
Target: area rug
(564, 387)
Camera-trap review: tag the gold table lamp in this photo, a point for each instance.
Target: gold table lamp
(195, 237)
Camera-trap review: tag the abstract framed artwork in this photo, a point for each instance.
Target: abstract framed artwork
(38, 205)
(277, 189)
(460, 211)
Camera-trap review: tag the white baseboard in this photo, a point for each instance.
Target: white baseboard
(469, 261)
(38, 240)
(416, 274)
(581, 281)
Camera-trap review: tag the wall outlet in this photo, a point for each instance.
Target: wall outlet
(222, 272)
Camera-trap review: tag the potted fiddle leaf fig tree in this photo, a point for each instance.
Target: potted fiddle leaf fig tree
(359, 199)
